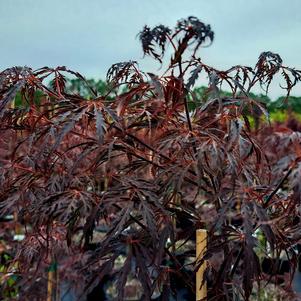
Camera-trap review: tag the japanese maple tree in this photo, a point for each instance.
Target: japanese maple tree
(116, 185)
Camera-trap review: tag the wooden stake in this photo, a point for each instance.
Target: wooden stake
(52, 282)
(201, 246)
(50, 285)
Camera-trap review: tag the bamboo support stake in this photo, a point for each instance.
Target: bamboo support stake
(201, 246)
(58, 292)
(50, 285)
(52, 282)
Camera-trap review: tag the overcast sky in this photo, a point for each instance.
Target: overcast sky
(90, 35)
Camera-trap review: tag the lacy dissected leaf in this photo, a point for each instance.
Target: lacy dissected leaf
(125, 72)
(100, 124)
(150, 38)
(197, 29)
